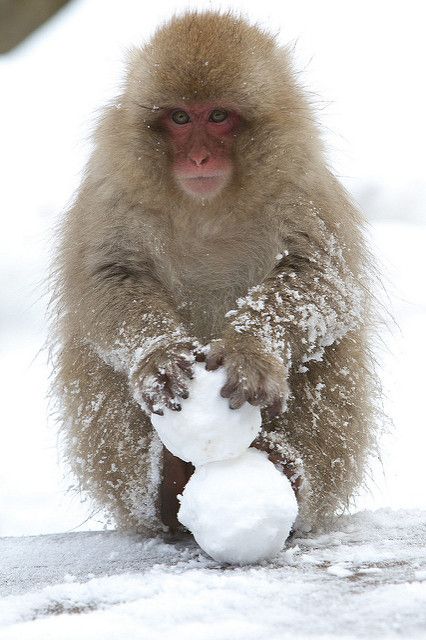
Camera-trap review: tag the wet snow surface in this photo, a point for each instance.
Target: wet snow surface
(366, 578)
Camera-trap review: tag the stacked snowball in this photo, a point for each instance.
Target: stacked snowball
(238, 506)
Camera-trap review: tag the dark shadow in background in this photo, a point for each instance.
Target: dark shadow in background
(19, 18)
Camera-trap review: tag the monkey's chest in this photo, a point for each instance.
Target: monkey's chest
(207, 281)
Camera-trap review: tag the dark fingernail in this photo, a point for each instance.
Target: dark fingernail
(185, 396)
(237, 402)
(177, 407)
(159, 412)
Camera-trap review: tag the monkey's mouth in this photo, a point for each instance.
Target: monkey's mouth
(203, 185)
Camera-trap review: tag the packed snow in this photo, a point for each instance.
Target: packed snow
(206, 429)
(238, 506)
(366, 578)
(240, 511)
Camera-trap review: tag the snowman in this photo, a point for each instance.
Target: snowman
(239, 507)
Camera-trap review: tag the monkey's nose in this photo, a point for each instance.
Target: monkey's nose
(199, 156)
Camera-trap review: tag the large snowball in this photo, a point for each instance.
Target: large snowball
(240, 511)
(206, 429)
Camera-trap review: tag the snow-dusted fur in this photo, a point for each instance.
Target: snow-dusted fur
(275, 267)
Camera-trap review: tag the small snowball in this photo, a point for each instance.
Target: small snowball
(240, 511)
(206, 429)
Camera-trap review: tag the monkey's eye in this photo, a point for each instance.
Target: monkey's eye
(218, 115)
(180, 117)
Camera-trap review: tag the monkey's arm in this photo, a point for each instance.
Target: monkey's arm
(307, 304)
(309, 301)
(129, 320)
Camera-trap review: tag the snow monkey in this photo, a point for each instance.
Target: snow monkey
(208, 226)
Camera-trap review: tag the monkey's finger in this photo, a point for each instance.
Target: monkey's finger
(164, 388)
(213, 362)
(180, 388)
(237, 400)
(185, 360)
(186, 367)
(228, 389)
(179, 371)
(164, 384)
(173, 404)
(177, 384)
(170, 399)
(152, 404)
(164, 400)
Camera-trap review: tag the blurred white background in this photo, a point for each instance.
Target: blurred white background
(363, 63)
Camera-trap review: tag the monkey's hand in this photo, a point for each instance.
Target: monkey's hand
(162, 377)
(253, 375)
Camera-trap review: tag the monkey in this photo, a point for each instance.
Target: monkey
(208, 226)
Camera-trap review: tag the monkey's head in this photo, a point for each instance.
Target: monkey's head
(210, 108)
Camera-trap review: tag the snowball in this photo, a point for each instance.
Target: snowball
(206, 429)
(240, 511)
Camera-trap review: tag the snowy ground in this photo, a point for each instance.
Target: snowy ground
(365, 579)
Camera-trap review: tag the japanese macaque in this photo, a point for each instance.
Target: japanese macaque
(208, 226)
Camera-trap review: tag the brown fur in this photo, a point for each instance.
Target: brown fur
(141, 265)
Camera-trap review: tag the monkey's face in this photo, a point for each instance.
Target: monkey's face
(201, 139)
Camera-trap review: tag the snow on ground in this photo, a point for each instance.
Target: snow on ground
(366, 578)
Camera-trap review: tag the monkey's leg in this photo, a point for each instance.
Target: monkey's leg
(329, 422)
(284, 457)
(176, 474)
(109, 442)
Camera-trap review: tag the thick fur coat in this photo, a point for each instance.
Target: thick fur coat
(274, 269)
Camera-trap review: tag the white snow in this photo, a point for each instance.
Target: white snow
(148, 590)
(206, 429)
(238, 506)
(364, 64)
(240, 511)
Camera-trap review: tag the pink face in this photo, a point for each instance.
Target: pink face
(201, 137)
